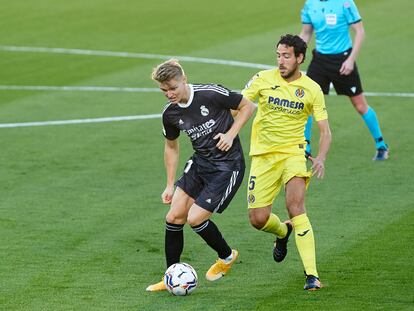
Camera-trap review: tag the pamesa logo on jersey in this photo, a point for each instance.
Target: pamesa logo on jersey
(204, 111)
(283, 104)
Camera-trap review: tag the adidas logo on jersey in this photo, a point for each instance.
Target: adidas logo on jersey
(180, 122)
(208, 201)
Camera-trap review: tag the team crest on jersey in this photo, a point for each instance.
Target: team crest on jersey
(300, 93)
(204, 111)
(251, 198)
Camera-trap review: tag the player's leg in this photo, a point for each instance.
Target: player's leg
(296, 178)
(308, 135)
(263, 219)
(200, 221)
(264, 185)
(188, 187)
(175, 220)
(351, 86)
(174, 236)
(304, 238)
(369, 116)
(215, 197)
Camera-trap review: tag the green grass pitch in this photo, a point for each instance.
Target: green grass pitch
(81, 221)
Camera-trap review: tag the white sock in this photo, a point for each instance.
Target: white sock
(228, 259)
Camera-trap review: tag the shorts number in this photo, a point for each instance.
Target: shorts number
(188, 166)
(252, 182)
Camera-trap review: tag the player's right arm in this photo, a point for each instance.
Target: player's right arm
(349, 64)
(171, 156)
(307, 28)
(306, 32)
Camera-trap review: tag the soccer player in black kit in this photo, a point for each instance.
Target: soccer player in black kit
(214, 172)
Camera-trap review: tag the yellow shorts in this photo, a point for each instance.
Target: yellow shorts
(268, 172)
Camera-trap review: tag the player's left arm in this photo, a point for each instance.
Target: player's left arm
(325, 138)
(348, 65)
(244, 112)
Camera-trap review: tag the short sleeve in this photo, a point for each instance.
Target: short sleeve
(304, 14)
(252, 88)
(225, 97)
(351, 12)
(168, 129)
(319, 109)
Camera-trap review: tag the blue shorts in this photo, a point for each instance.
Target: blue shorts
(211, 189)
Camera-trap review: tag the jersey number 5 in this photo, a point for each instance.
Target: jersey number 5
(252, 182)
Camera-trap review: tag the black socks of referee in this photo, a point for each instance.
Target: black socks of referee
(174, 243)
(211, 234)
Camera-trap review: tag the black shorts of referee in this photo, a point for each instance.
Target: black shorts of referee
(324, 69)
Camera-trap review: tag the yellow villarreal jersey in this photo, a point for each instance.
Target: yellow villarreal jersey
(283, 109)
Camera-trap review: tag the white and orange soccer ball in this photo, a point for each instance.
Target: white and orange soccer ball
(181, 279)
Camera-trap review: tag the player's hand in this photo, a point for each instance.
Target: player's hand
(167, 195)
(318, 167)
(225, 142)
(347, 67)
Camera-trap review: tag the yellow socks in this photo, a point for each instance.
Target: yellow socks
(305, 243)
(275, 226)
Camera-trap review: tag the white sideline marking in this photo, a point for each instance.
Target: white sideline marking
(79, 121)
(141, 89)
(389, 94)
(11, 48)
(122, 89)
(79, 88)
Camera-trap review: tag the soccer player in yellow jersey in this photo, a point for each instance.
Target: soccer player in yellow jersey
(286, 97)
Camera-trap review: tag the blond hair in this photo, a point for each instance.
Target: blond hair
(167, 70)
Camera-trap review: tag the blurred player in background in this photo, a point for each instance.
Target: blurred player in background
(286, 98)
(215, 171)
(334, 59)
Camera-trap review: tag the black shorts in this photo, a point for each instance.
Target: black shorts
(212, 190)
(324, 69)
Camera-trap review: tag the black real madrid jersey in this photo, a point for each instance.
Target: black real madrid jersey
(206, 114)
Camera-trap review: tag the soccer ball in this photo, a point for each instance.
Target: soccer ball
(181, 279)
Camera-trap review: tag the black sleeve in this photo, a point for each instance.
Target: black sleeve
(228, 99)
(168, 129)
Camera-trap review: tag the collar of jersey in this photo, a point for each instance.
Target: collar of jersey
(185, 105)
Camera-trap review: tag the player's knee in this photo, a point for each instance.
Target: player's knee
(258, 220)
(295, 209)
(174, 218)
(360, 104)
(361, 109)
(193, 221)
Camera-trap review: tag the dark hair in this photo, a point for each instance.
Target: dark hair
(299, 46)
